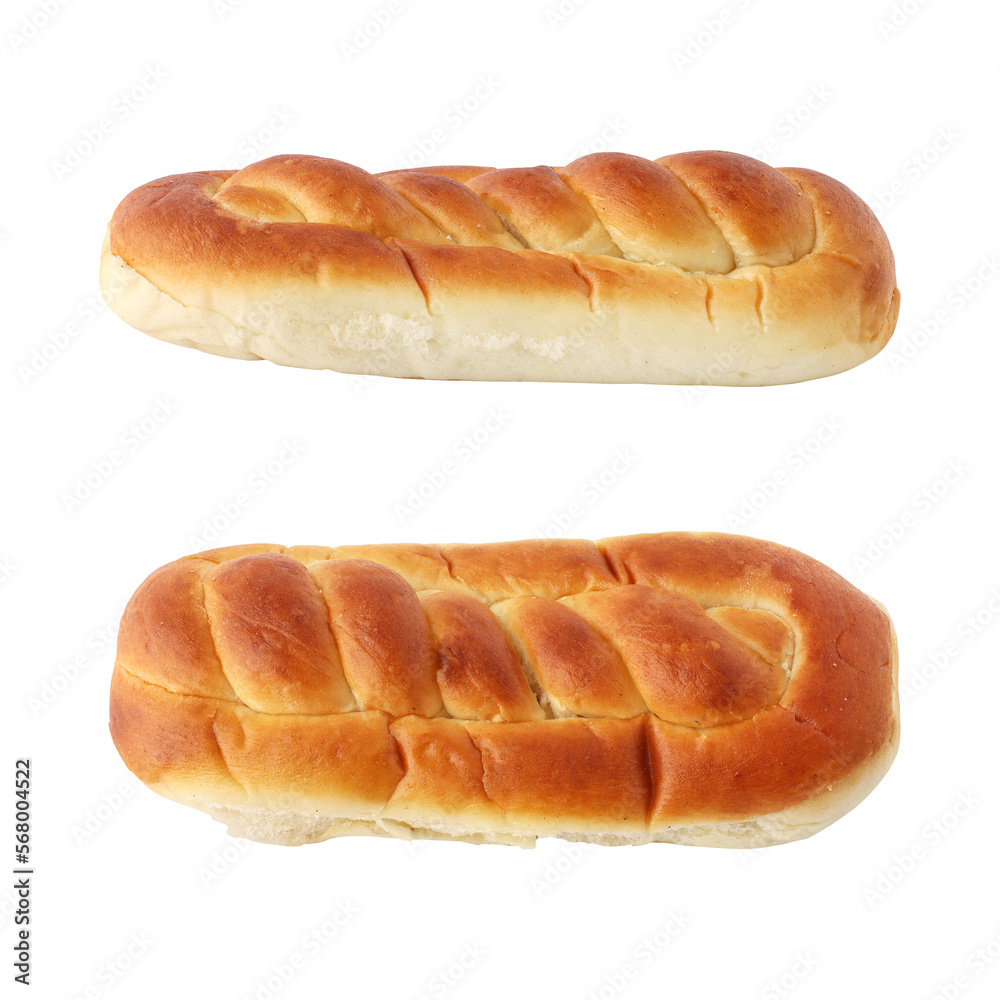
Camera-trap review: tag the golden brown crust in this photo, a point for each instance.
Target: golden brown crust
(269, 625)
(697, 267)
(758, 766)
(453, 208)
(778, 225)
(586, 774)
(478, 674)
(687, 668)
(580, 672)
(619, 690)
(649, 213)
(376, 619)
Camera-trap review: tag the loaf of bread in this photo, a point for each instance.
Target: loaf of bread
(689, 688)
(698, 268)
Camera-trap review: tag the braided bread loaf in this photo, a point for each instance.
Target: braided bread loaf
(698, 268)
(700, 689)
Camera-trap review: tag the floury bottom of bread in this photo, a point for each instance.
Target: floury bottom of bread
(696, 268)
(685, 688)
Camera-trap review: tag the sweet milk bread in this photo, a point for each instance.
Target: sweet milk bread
(697, 268)
(688, 688)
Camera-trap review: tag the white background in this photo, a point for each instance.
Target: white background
(895, 899)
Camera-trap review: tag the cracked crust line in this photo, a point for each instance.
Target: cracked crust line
(227, 767)
(451, 569)
(842, 256)
(482, 768)
(400, 760)
(584, 278)
(183, 694)
(211, 634)
(709, 295)
(423, 291)
(802, 720)
(758, 304)
(628, 580)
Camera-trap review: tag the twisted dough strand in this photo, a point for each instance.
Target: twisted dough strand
(352, 635)
(707, 212)
(495, 633)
